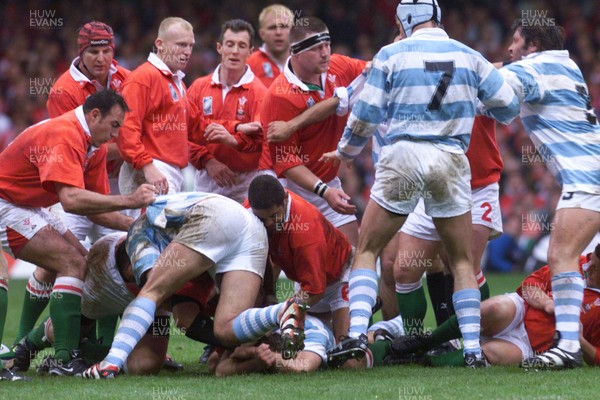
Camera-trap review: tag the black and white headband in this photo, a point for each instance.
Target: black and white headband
(310, 42)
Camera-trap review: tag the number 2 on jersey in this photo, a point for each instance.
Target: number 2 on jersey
(447, 69)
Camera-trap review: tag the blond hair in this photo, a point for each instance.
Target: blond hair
(168, 22)
(280, 10)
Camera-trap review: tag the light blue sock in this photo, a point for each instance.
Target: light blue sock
(568, 296)
(136, 320)
(255, 322)
(467, 305)
(363, 294)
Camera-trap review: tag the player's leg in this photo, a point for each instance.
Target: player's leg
(480, 236)
(387, 284)
(415, 257)
(573, 229)
(456, 234)
(176, 265)
(378, 227)
(351, 231)
(148, 356)
(5, 374)
(37, 295)
(50, 249)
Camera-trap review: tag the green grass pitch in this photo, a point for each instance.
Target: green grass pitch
(401, 382)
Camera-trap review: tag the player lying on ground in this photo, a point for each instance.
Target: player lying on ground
(516, 326)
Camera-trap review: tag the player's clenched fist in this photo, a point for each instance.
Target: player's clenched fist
(143, 195)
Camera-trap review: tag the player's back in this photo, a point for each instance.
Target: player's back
(433, 83)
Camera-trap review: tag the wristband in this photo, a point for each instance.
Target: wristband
(320, 188)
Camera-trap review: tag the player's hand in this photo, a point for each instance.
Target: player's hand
(279, 131)
(549, 307)
(334, 158)
(339, 201)
(154, 177)
(250, 128)
(218, 133)
(143, 195)
(220, 172)
(266, 355)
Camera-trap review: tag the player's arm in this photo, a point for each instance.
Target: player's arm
(84, 202)
(590, 353)
(113, 220)
(305, 361)
(256, 359)
(534, 290)
(336, 198)
(281, 130)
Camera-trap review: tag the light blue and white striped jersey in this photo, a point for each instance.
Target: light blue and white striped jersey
(557, 114)
(379, 137)
(426, 87)
(318, 337)
(147, 240)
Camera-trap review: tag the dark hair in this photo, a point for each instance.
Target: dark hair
(122, 260)
(265, 192)
(104, 100)
(597, 250)
(237, 25)
(545, 36)
(305, 26)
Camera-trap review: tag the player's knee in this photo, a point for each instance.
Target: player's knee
(72, 264)
(224, 334)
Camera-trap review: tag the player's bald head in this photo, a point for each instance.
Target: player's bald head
(171, 24)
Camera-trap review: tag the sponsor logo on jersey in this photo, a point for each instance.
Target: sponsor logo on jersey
(310, 102)
(207, 105)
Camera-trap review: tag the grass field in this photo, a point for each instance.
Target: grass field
(401, 382)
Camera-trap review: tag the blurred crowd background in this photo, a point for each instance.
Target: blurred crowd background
(34, 54)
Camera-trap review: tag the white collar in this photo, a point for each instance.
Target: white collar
(294, 80)
(79, 76)
(161, 66)
(265, 51)
(286, 217)
(81, 118)
(248, 77)
(436, 32)
(551, 53)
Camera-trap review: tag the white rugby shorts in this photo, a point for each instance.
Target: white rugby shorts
(485, 211)
(410, 170)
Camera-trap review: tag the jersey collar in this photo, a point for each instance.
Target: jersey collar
(263, 49)
(294, 80)
(246, 79)
(79, 76)
(162, 67)
(81, 118)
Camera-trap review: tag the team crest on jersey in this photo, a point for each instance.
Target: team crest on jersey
(310, 102)
(240, 108)
(173, 93)
(268, 70)
(207, 105)
(116, 83)
(331, 78)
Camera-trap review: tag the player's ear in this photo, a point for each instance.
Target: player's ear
(158, 43)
